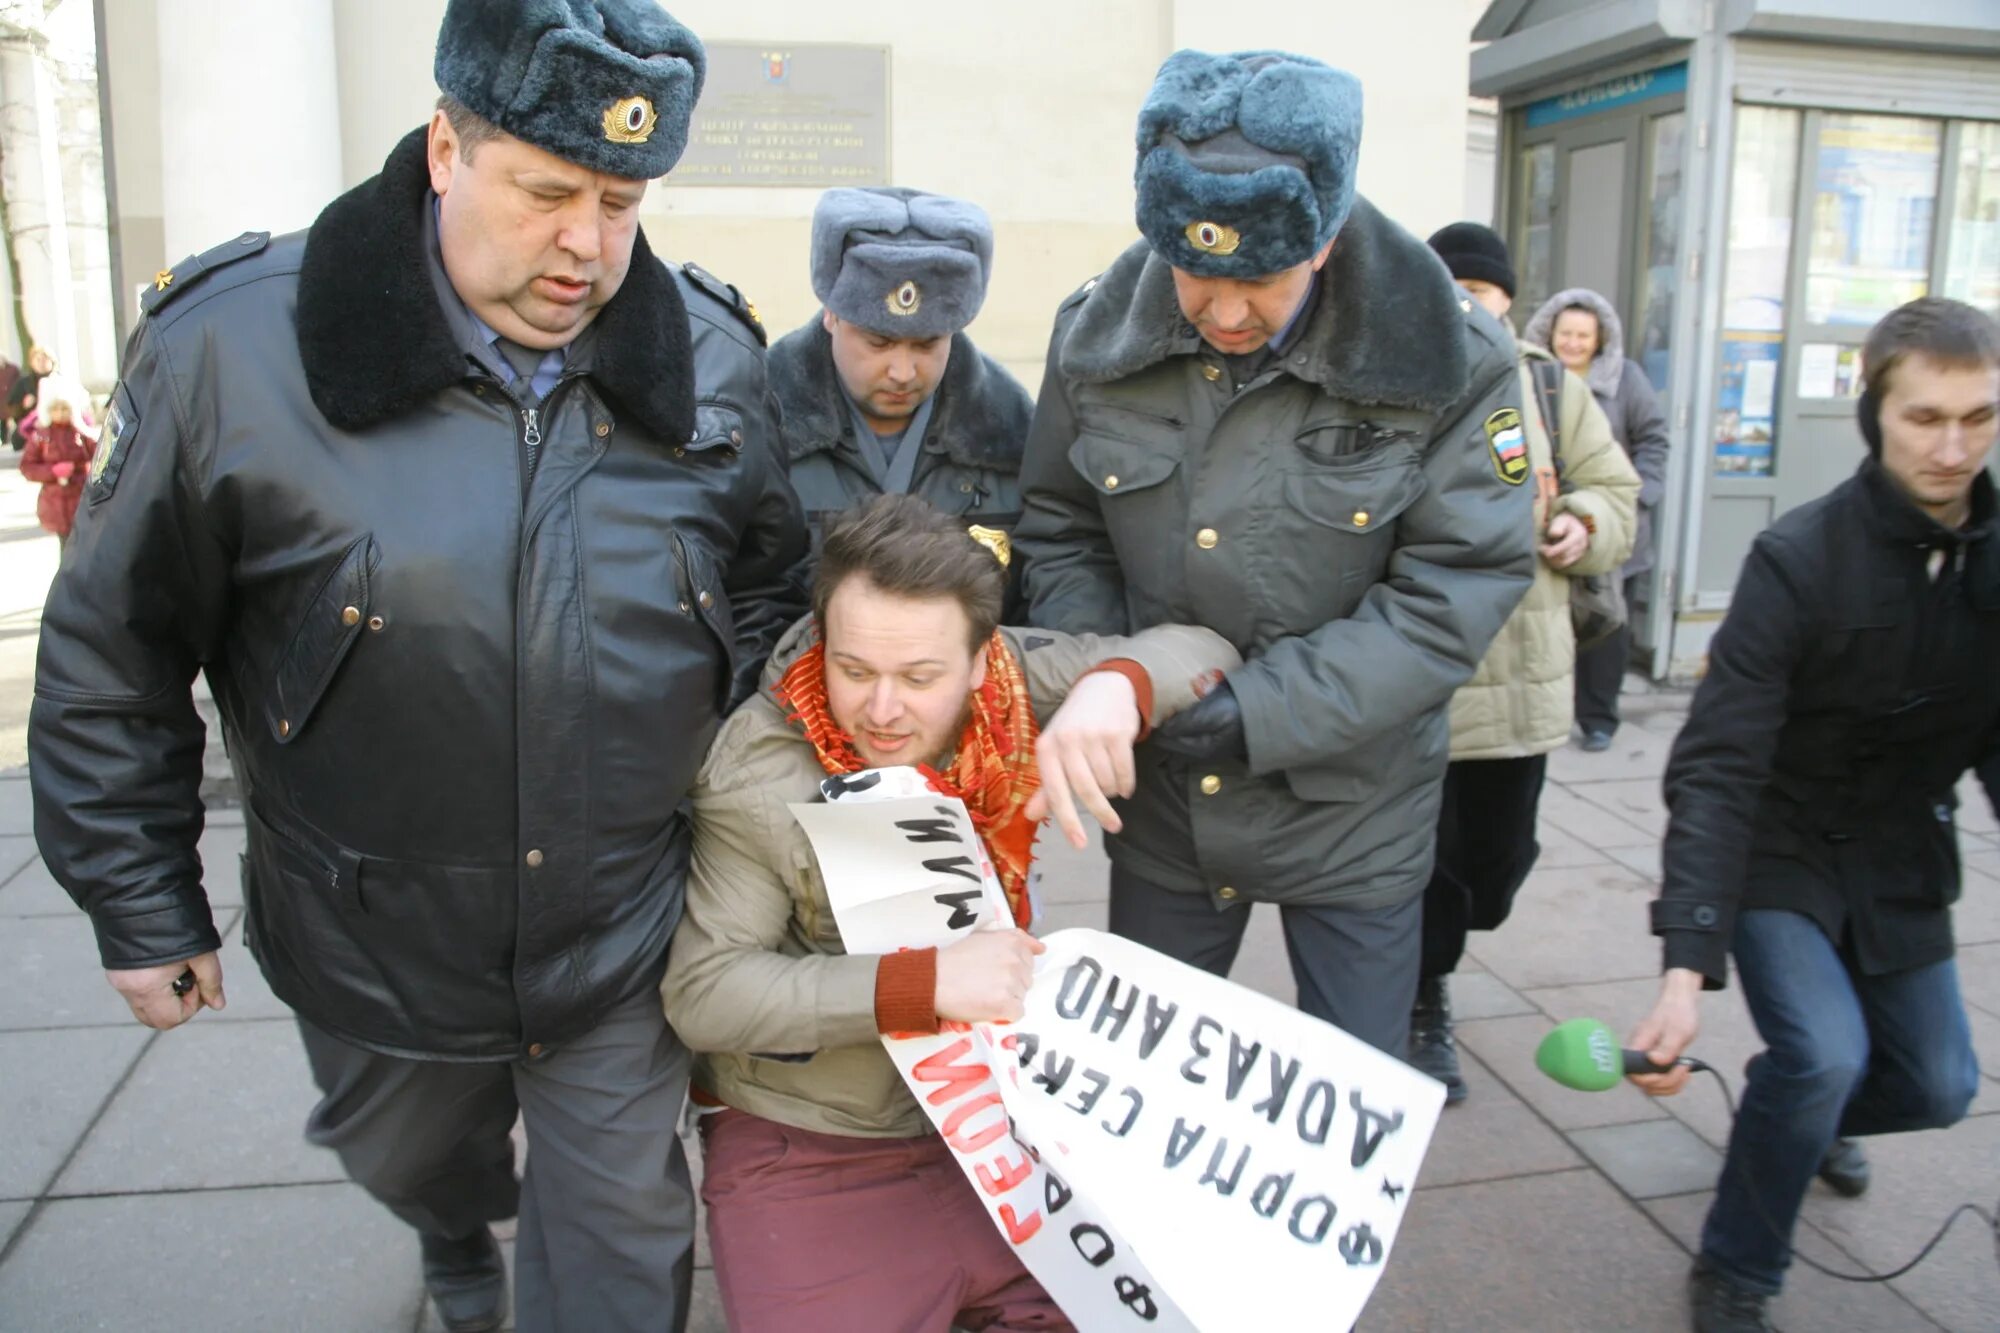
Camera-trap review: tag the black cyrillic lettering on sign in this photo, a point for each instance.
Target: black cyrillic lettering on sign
(1138, 1103)
(1053, 1075)
(1311, 1130)
(1110, 1012)
(1390, 1191)
(1241, 1060)
(1282, 1075)
(1269, 1196)
(962, 866)
(1225, 1185)
(1079, 984)
(846, 784)
(1201, 1050)
(932, 830)
(1158, 1019)
(1086, 1102)
(1361, 1247)
(964, 911)
(1369, 1129)
(1182, 1141)
(1025, 1046)
(1312, 1204)
(1137, 1297)
(1055, 1194)
(1093, 1243)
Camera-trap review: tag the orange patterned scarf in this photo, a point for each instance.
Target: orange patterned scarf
(994, 773)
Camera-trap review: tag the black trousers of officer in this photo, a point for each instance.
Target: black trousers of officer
(1355, 968)
(606, 1237)
(1485, 848)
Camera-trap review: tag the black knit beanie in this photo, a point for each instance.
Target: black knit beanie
(1472, 250)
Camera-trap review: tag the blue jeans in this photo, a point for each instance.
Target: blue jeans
(1848, 1055)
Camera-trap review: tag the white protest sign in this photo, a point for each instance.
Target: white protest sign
(1260, 1157)
(885, 827)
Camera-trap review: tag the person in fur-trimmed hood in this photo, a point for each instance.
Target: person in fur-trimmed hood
(882, 392)
(471, 510)
(1277, 417)
(1580, 328)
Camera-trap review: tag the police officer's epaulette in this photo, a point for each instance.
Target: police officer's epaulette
(1077, 296)
(171, 282)
(726, 293)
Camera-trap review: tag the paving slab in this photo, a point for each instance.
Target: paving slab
(1561, 1252)
(1637, 801)
(1975, 918)
(1476, 995)
(12, 1214)
(55, 978)
(1071, 916)
(1641, 861)
(1068, 875)
(1651, 1159)
(1975, 807)
(17, 806)
(1560, 849)
(1810, 1300)
(33, 891)
(1918, 1180)
(1589, 822)
(1508, 1045)
(1979, 976)
(15, 852)
(306, 1259)
(57, 1081)
(1635, 753)
(210, 1106)
(1570, 926)
(1262, 963)
(1491, 1135)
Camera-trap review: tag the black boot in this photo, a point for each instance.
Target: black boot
(1432, 1048)
(1721, 1306)
(1845, 1167)
(467, 1280)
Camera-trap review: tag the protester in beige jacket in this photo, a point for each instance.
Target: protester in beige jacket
(832, 1201)
(1519, 705)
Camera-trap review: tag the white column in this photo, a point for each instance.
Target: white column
(249, 118)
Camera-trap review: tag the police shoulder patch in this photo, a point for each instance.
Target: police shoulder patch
(1508, 443)
(727, 293)
(114, 443)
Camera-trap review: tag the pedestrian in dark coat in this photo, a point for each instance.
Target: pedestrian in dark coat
(1811, 798)
(1583, 331)
(471, 510)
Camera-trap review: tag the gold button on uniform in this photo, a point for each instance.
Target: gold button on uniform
(1111, 482)
(706, 601)
(1211, 373)
(351, 616)
(1361, 518)
(284, 727)
(603, 429)
(1207, 538)
(376, 623)
(1226, 893)
(1210, 785)
(535, 1049)
(535, 859)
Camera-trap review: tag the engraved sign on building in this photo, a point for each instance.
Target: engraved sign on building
(790, 113)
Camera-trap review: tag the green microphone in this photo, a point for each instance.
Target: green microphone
(1583, 1054)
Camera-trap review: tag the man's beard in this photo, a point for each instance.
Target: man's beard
(941, 759)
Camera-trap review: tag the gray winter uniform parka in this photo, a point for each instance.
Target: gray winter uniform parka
(1353, 520)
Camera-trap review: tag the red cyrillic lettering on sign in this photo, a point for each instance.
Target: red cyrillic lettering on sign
(943, 1068)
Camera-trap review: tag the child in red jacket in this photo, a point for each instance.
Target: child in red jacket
(57, 454)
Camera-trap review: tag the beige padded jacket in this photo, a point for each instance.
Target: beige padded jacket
(758, 983)
(1521, 700)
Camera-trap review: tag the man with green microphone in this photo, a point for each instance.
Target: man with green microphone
(1811, 799)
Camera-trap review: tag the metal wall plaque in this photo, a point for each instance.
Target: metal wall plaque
(790, 113)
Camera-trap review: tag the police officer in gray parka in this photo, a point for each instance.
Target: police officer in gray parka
(469, 508)
(1277, 417)
(882, 392)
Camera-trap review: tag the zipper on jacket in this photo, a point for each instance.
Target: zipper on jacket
(531, 437)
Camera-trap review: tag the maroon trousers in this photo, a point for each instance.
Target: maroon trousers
(853, 1235)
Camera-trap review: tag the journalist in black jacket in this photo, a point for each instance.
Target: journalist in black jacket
(1811, 798)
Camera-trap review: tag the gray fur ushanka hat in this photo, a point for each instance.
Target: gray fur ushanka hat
(606, 84)
(1246, 161)
(902, 263)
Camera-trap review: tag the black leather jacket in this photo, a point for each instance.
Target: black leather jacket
(465, 702)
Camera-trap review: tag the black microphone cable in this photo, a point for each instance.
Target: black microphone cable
(1991, 1219)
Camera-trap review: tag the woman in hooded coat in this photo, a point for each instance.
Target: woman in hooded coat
(1585, 333)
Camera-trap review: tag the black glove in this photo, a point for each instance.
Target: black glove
(1212, 729)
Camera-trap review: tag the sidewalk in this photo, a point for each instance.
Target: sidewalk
(155, 1180)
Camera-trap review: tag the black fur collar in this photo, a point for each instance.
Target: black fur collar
(980, 420)
(376, 346)
(1374, 338)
